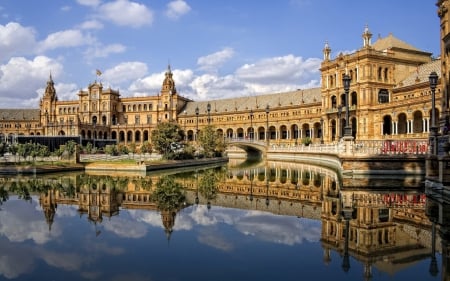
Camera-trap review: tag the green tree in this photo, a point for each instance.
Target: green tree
(146, 147)
(112, 149)
(165, 134)
(71, 147)
(168, 194)
(208, 186)
(13, 149)
(211, 143)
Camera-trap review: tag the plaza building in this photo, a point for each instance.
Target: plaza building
(389, 97)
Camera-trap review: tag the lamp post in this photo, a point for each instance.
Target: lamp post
(251, 124)
(208, 108)
(348, 129)
(433, 83)
(185, 120)
(321, 130)
(267, 124)
(196, 128)
(339, 121)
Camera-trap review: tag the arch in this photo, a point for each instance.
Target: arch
(114, 135)
(240, 133)
(145, 135)
(294, 131)
(354, 124)
(230, 133)
(354, 99)
(94, 119)
(333, 128)
(272, 133)
(83, 134)
(105, 135)
(261, 133)
(61, 133)
(402, 126)
(283, 132)
(129, 136)
(306, 131)
(333, 101)
(190, 135)
(104, 119)
(137, 136)
(417, 122)
(317, 130)
(387, 125)
(121, 136)
(219, 133)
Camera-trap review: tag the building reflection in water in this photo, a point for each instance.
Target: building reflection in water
(365, 221)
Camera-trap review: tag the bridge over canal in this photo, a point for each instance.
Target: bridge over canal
(350, 157)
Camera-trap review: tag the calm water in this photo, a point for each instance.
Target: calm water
(275, 222)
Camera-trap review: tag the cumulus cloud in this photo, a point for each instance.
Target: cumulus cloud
(91, 3)
(103, 51)
(16, 40)
(91, 24)
(214, 61)
(126, 13)
(125, 72)
(176, 9)
(20, 78)
(66, 38)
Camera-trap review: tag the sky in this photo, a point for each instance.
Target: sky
(216, 49)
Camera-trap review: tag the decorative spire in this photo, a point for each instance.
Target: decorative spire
(367, 36)
(169, 83)
(326, 51)
(50, 91)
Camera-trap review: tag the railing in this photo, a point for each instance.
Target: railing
(363, 147)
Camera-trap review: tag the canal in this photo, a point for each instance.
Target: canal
(241, 221)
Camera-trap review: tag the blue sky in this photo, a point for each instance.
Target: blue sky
(216, 49)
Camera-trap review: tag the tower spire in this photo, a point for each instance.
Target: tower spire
(367, 36)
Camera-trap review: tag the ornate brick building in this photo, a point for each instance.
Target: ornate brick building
(389, 98)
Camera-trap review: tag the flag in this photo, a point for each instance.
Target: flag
(98, 72)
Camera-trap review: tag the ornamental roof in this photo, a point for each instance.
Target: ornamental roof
(392, 42)
(422, 73)
(255, 103)
(19, 114)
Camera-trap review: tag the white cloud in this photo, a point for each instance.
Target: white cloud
(92, 3)
(214, 61)
(102, 51)
(91, 24)
(126, 13)
(20, 78)
(16, 40)
(66, 38)
(176, 9)
(125, 72)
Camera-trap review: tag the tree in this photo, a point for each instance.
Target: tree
(71, 147)
(211, 143)
(168, 194)
(165, 134)
(146, 147)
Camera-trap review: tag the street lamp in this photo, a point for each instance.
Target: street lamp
(185, 120)
(433, 83)
(208, 108)
(347, 130)
(321, 130)
(196, 129)
(251, 124)
(340, 121)
(267, 124)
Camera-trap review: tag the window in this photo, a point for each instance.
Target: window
(383, 96)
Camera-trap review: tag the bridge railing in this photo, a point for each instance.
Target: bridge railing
(361, 147)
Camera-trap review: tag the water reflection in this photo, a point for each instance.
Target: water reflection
(291, 216)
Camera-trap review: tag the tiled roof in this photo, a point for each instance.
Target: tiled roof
(19, 114)
(421, 74)
(297, 97)
(390, 42)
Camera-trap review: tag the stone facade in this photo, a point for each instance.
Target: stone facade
(389, 98)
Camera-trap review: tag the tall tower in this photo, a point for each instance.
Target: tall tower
(48, 106)
(167, 105)
(443, 13)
